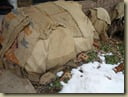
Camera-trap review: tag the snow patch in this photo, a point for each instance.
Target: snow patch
(59, 74)
(95, 80)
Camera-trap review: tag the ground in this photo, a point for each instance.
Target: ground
(113, 51)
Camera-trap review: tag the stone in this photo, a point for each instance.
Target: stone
(57, 69)
(47, 78)
(34, 77)
(82, 57)
(66, 75)
(10, 83)
(72, 64)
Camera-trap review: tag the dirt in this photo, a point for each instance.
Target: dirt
(55, 86)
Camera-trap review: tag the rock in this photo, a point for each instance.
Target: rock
(72, 63)
(57, 69)
(82, 57)
(47, 78)
(66, 76)
(34, 77)
(10, 83)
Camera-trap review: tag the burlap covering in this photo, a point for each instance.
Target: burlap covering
(43, 36)
(118, 11)
(100, 19)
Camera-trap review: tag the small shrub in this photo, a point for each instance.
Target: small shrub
(92, 56)
(105, 47)
(113, 59)
(56, 84)
(121, 49)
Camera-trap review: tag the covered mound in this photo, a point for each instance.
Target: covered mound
(101, 20)
(43, 36)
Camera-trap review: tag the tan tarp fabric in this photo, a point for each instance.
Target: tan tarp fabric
(103, 15)
(84, 24)
(61, 44)
(118, 11)
(100, 19)
(54, 35)
(12, 24)
(82, 21)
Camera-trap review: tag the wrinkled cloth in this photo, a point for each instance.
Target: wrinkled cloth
(118, 11)
(100, 20)
(46, 35)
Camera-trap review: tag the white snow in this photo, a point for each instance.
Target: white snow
(95, 80)
(59, 74)
(106, 54)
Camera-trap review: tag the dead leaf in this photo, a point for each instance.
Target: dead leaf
(82, 57)
(119, 68)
